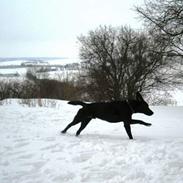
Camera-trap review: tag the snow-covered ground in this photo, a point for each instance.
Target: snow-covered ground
(32, 150)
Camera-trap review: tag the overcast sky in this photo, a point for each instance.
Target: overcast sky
(51, 27)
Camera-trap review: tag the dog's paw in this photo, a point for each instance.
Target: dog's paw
(77, 134)
(63, 132)
(148, 124)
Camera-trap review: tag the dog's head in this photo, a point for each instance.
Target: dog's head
(142, 106)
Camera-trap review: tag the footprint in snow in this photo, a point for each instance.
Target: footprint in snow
(50, 139)
(82, 157)
(22, 144)
(49, 147)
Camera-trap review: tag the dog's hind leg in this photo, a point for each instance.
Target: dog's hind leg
(77, 119)
(84, 123)
(69, 125)
(128, 130)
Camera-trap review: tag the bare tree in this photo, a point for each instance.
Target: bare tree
(121, 61)
(165, 19)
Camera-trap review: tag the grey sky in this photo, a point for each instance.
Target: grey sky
(51, 27)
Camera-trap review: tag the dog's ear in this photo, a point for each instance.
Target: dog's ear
(139, 97)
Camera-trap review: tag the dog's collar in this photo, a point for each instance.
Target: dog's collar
(130, 106)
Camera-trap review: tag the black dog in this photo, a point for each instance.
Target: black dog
(112, 112)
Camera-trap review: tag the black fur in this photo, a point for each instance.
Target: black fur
(112, 112)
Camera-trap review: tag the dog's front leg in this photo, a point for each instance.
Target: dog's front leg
(134, 121)
(128, 130)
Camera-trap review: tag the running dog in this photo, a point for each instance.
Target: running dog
(113, 112)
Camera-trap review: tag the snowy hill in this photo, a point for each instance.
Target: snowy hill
(32, 149)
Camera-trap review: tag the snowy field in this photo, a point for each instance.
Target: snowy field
(32, 150)
(59, 61)
(44, 61)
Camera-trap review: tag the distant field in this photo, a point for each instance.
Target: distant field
(14, 68)
(53, 61)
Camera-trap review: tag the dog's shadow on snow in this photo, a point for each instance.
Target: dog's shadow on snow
(108, 137)
(114, 138)
(105, 137)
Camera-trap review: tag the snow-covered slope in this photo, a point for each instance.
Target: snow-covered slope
(32, 150)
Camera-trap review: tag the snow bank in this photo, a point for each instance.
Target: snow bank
(32, 150)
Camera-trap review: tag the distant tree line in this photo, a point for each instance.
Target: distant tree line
(32, 87)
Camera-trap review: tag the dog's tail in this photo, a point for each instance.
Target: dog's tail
(77, 103)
